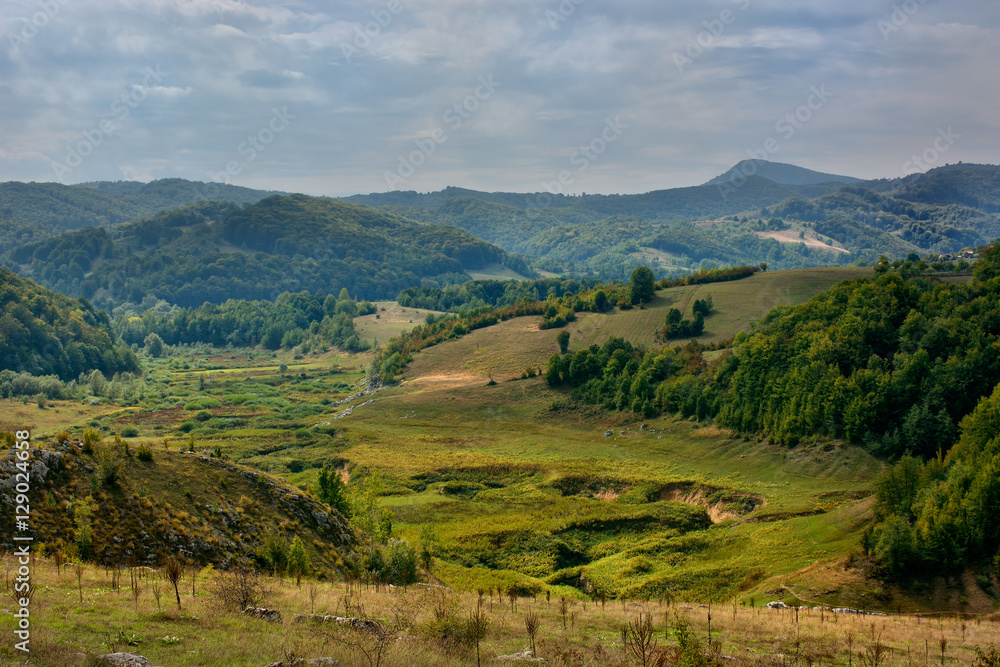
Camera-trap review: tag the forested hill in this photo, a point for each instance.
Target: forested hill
(803, 218)
(49, 208)
(211, 252)
(671, 204)
(44, 333)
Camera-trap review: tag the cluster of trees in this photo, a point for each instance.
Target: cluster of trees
(677, 327)
(619, 376)
(888, 362)
(290, 320)
(44, 333)
(478, 293)
(715, 275)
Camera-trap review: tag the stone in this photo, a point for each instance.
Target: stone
(122, 660)
(272, 615)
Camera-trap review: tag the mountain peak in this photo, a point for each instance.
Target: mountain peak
(779, 172)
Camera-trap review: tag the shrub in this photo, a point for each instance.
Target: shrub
(130, 432)
(144, 453)
(203, 403)
(188, 425)
(110, 463)
(203, 415)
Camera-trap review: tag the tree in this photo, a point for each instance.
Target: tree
(83, 510)
(172, 571)
(332, 490)
(298, 560)
(428, 545)
(642, 285)
(563, 339)
(552, 369)
(154, 345)
(366, 513)
(600, 301)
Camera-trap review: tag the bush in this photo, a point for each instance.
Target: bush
(130, 432)
(400, 562)
(188, 426)
(203, 403)
(144, 453)
(238, 589)
(110, 463)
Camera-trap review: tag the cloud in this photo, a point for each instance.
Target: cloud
(366, 79)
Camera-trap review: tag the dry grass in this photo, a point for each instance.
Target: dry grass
(584, 633)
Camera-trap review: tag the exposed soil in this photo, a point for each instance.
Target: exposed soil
(788, 236)
(718, 503)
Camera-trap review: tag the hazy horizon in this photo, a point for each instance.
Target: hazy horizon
(363, 97)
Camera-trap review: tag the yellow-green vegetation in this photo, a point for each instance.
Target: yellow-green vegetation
(497, 272)
(509, 348)
(95, 611)
(115, 502)
(389, 321)
(512, 483)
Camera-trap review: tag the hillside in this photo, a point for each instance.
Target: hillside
(971, 185)
(207, 510)
(44, 333)
(782, 214)
(53, 207)
(216, 251)
(526, 486)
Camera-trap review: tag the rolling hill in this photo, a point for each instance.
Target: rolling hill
(50, 208)
(211, 252)
(782, 214)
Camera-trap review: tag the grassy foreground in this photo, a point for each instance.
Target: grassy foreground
(72, 621)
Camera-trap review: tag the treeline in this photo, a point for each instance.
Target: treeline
(44, 333)
(291, 320)
(480, 293)
(556, 311)
(715, 275)
(393, 358)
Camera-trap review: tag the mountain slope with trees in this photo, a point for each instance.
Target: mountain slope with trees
(44, 333)
(212, 252)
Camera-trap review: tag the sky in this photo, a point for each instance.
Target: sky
(343, 97)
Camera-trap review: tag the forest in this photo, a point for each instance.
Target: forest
(289, 321)
(212, 252)
(44, 333)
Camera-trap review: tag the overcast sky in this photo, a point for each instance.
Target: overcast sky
(342, 97)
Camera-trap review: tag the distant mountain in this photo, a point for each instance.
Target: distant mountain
(779, 172)
(214, 251)
(48, 208)
(972, 185)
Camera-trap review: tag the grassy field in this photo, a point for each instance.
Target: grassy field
(73, 621)
(390, 321)
(497, 272)
(525, 488)
(509, 348)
